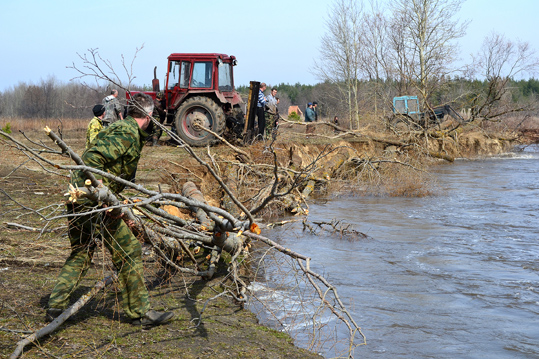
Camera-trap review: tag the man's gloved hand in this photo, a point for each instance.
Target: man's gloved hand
(130, 223)
(110, 213)
(113, 212)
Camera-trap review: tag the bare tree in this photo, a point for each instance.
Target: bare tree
(398, 57)
(375, 54)
(415, 46)
(341, 52)
(499, 61)
(424, 32)
(33, 103)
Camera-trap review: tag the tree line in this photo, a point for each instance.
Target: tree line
(372, 51)
(51, 98)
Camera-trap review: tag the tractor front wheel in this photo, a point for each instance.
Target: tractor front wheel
(403, 123)
(198, 113)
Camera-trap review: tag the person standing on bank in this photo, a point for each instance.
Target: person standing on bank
(116, 150)
(336, 123)
(315, 112)
(272, 114)
(309, 113)
(112, 107)
(159, 107)
(272, 100)
(95, 125)
(260, 108)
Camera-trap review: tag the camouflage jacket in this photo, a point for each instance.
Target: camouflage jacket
(94, 127)
(115, 150)
(112, 109)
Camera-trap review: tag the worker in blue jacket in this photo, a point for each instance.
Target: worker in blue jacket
(309, 113)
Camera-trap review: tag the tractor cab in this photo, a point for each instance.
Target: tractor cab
(406, 111)
(199, 94)
(406, 105)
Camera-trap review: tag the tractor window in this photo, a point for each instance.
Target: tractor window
(400, 106)
(202, 75)
(174, 74)
(413, 106)
(225, 77)
(186, 72)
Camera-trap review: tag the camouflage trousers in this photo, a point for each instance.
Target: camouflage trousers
(272, 124)
(126, 254)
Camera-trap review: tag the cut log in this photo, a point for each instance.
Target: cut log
(190, 190)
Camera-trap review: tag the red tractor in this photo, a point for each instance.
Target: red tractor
(199, 93)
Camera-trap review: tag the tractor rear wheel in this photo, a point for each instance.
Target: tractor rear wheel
(195, 114)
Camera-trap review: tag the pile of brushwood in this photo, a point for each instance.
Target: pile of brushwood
(225, 233)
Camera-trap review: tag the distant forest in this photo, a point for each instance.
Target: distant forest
(53, 99)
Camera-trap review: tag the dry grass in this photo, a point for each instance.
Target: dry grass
(37, 124)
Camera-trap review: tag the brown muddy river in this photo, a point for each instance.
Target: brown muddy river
(455, 275)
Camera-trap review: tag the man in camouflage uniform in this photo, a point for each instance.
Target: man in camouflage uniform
(272, 114)
(113, 109)
(95, 125)
(116, 150)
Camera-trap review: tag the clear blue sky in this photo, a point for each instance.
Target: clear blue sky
(274, 41)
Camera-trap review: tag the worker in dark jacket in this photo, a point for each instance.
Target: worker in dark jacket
(260, 108)
(159, 108)
(113, 109)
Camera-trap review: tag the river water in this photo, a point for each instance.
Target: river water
(453, 275)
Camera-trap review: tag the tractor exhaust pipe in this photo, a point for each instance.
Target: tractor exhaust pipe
(155, 81)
